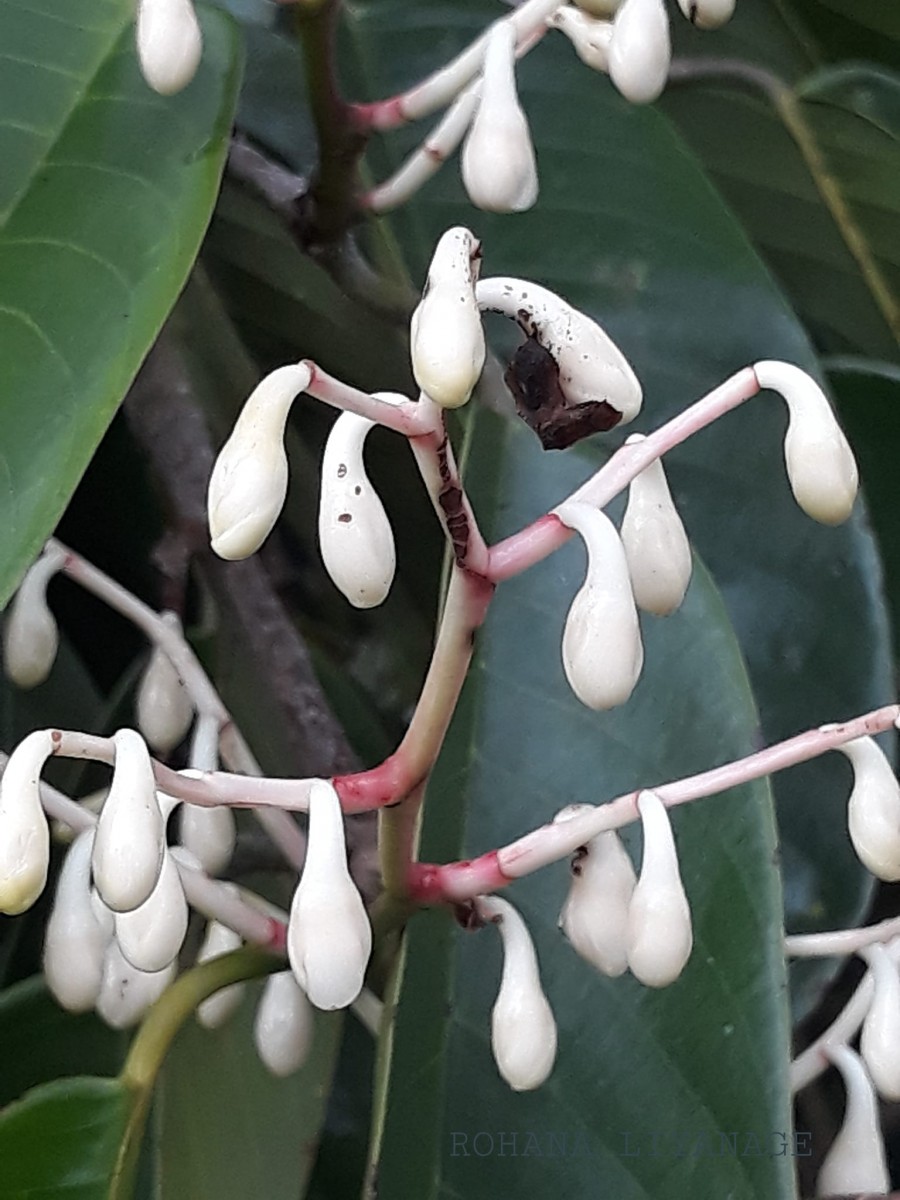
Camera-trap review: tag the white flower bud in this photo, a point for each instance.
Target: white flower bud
(660, 938)
(126, 993)
(24, 831)
(169, 44)
(820, 464)
(151, 935)
(250, 476)
(446, 337)
(219, 940)
(523, 1031)
(873, 811)
(640, 50)
(595, 915)
(498, 167)
(602, 651)
(75, 939)
(329, 938)
(283, 1026)
(880, 1040)
(855, 1163)
(355, 535)
(707, 14)
(30, 633)
(131, 832)
(164, 709)
(656, 545)
(590, 38)
(209, 834)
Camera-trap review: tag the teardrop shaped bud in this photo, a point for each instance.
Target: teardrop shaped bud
(164, 709)
(498, 167)
(640, 50)
(355, 535)
(329, 938)
(873, 811)
(820, 464)
(589, 37)
(602, 651)
(250, 476)
(209, 834)
(660, 937)
(217, 1008)
(131, 834)
(656, 545)
(283, 1026)
(446, 337)
(24, 831)
(707, 14)
(855, 1164)
(30, 633)
(151, 935)
(523, 1031)
(880, 1040)
(75, 941)
(169, 44)
(125, 992)
(595, 915)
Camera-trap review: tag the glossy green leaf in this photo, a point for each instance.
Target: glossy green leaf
(106, 191)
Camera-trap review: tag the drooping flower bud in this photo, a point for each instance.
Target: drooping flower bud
(855, 1164)
(595, 915)
(130, 841)
(209, 834)
(151, 935)
(873, 811)
(24, 831)
(75, 940)
(169, 44)
(329, 938)
(590, 37)
(250, 476)
(523, 1031)
(217, 1008)
(640, 50)
(30, 633)
(355, 535)
(126, 993)
(707, 14)
(656, 545)
(602, 651)
(498, 167)
(283, 1026)
(660, 938)
(164, 709)
(820, 464)
(446, 337)
(880, 1040)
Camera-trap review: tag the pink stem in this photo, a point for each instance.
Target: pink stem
(410, 419)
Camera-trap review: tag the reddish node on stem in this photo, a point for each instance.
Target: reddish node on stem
(363, 791)
(433, 883)
(277, 939)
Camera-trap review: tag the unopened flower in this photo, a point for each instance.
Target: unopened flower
(660, 938)
(151, 935)
(250, 476)
(283, 1026)
(30, 633)
(595, 915)
(164, 709)
(820, 464)
(76, 938)
(446, 337)
(855, 1163)
(209, 834)
(602, 651)
(169, 43)
(589, 36)
(523, 1031)
(329, 938)
(498, 167)
(707, 14)
(217, 1008)
(355, 535)
(880, 1040)
(125, 992)
(24, 831)
(640, 50)
(130, 841)
(873, 811)
(656, 545)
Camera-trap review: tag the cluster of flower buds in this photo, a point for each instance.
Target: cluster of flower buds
(169, 43)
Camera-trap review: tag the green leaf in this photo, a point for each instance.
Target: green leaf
(106, 192)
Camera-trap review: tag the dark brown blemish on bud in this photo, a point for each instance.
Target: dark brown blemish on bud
(577, 859)
(357, 491)
(345, 518)
(467, 917)
(450, 498)
(56, 737)
(342, 470)
(692, 13)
